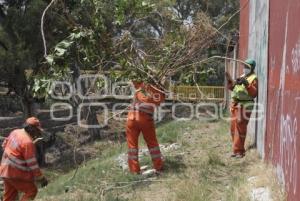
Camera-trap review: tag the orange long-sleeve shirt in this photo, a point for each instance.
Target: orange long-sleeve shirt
(19, 157)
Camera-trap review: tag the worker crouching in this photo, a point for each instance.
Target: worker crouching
(140, 119)
(19, 167)
(244, 91)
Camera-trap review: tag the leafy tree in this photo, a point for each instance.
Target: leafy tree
(22, 48)
(108, 35)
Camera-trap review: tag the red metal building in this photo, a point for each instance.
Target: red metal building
(281, 140)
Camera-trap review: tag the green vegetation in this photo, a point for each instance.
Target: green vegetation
(105, 167)
(172, 131)
(116, 36)
(200, 170)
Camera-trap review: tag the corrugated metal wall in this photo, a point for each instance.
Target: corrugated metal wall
(258, 49)
(283, 117)
(253, 43)
(244, 29)
(278, 58)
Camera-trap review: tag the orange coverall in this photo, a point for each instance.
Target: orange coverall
(240, 118)
(19, 166)
(140, 119)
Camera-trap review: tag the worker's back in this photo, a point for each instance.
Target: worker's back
(19, 160)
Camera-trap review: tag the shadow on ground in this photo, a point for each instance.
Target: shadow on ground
(174, 164)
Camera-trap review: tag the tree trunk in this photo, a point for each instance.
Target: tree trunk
(91, 119)
(27, 107)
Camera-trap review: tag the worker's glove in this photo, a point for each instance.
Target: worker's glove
(243, 81)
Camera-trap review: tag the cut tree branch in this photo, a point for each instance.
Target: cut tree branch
(42, 27)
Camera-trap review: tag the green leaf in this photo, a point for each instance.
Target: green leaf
(64, 44)
(60, 51)
(50, 59)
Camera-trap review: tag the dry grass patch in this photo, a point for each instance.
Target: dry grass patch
(198, 171)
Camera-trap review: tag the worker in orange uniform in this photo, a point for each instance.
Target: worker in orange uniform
(140, 119)
(19, 168)
(244, 91)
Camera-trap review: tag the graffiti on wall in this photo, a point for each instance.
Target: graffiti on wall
(288, 151)
(284, 149)
(274, 41)
(296, 57)
(288, 125)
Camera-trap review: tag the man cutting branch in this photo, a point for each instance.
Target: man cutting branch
(140, 119)
(244, 91)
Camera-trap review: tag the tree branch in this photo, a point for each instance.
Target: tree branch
(42, 27)
(3, 46)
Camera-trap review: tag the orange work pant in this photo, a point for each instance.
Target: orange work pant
(239, 122)
(13, 186)
(141, 122)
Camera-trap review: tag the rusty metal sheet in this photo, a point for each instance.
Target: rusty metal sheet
(282, 145)
(244, 34)
(274, 42)
(244, 29)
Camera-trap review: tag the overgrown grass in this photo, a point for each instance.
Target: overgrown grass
(171, 132)
(104, 168)
(90, 175)
(203, 172)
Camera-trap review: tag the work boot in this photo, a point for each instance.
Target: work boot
(233, 155)
(158, 172)
(239, 156)
(149, 173)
